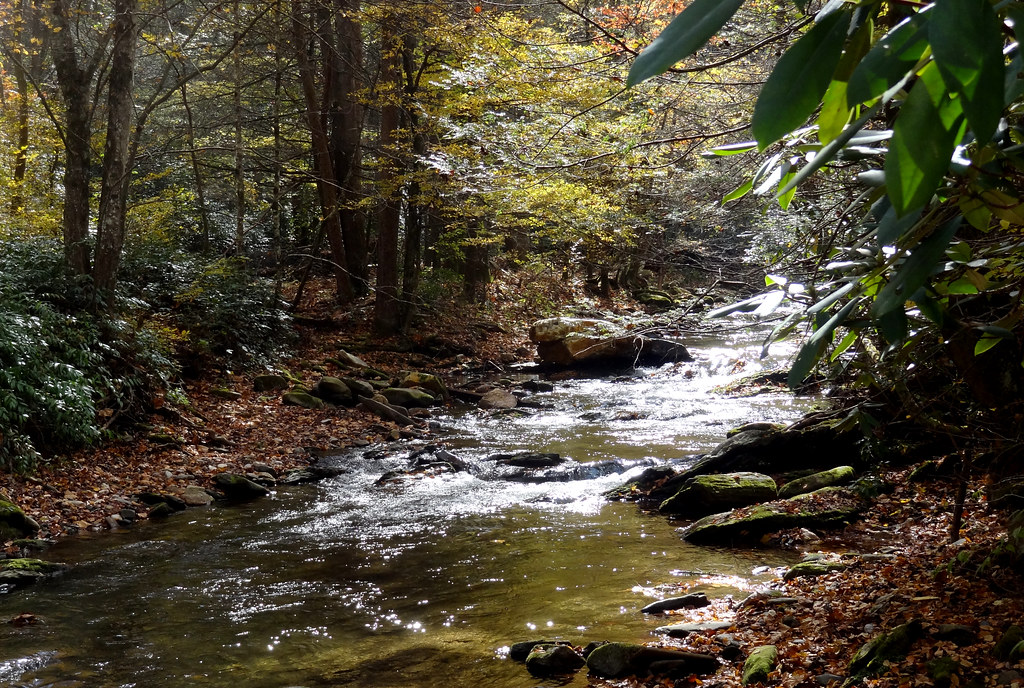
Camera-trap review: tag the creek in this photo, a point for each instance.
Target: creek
(417, 582)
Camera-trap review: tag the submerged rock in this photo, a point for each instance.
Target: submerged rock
(498, 398)
(614, 660)
(550, 660)
(712, 494)
(681, 630)
(17, 573)
(239, 487)
(696, 599)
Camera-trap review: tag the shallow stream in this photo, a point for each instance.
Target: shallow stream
(417, 582)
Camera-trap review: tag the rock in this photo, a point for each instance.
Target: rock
(401, 396)
(575, 342)
(829, 507)
(1017, 653)
(333, 391)
(527, 459)
(196, 496)
(613, 660)
(431, 383)
(239, 487)
(498, 398)
(959, 634)
(537, 386)
(760, 663)
(840, 475)
(807, 569)
(350, 360)
(1008, 677)
(360, 388)
(224, 393)
(641, 485)
(302, 399)
(1011, 637)
(681, 630)
(712, 494)
(871, 658)
(14, 523)
(270, 383)
(757, 426)
(17, 573)
(160, 510)
(696, 599)
(518, 652)
(655, 300)
(550, 660)
(944, 671)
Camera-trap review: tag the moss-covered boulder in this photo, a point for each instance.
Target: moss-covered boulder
(830, 507)
(14, 523)
(841, 475)
(238, 487)
(1011, 637)
(886, 647)
(360, 388)
(409, 398)
(614, 660)
(302, 399)
(760, 663)
(944, 671)
(333, 391)
(809, 569)
(713, 494)
(431, 383)
(552, 660)
(17, 573)
(269, 383)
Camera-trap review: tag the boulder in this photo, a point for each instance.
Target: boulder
(17, 573)
(239, 487)
(696, 599)
(810, 569)
(14, 523)
(360, 388)
(333, 391)
(196, 496)
(681, 630)
(498, 398)
(551, 660)
(527, 459)
(830, 507)
(518, 652)
(760, 662)
(409, 398)
(712, 494)
(841, 475)
(431, 383)
(872, 658)
(269, 383)
(614, 660)
(350, 360)
(302, 399)
(578, 342)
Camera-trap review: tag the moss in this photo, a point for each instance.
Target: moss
(894, 645)
(31, 566)
(1008, 642)
(813, 568)
(760, 664)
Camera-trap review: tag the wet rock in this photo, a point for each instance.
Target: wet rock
(809, 569)
(238, 487)
(18, 573)
(498, 398)
(681, 630)
(14, 523)
(160, 510)
(196, 496)
(830, 507)
(841, 475)
(577, 342)
(407, 397)
(537, 386)
(527, 459)
(518, 652)
(760, 663)
(551, 660)
(693, 600)
(333, 391)
(614, 660)
(431, 383)
(640, 486)
(302, 399)
(871, 658)
(269, 383)
(711, 494)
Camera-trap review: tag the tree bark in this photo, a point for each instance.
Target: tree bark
(197, 172)
(386, 309)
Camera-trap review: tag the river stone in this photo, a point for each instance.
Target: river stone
(761, 662)
(549, 660)
(302, 399)
(160, 510)
(269, 383)
(333, 391)
(17, 573)
(1011, 637)
(350, 360)
(696, 599)
(959, 634)
(431, 383)
(712, 494)
(840, 475)
(583, 341)
(873, 656)
(239, 487)
(409, 398)
(614, 660)
(361, 388)
(498, 398)
(196, 496)
(528, 459)
(681, 630)
(518, 652)
(829, 507)
(14, 523)
(807, 569)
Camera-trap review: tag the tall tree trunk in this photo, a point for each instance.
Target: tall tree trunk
(416, 214)
(239, 142)
(386, 310)
(197, 172)
(116, 174)
(326, 182)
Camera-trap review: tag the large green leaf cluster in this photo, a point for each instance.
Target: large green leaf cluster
(923, 100)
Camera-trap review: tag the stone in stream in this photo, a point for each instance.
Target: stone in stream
(238, 487)
(196, 496)
(498, 398)
(551, 660)
(614, 660)
(693, 600)
(527, 459)
(14, 523)
(17, 573)
(711, 494)
(681, 630)
(576, 342)
(841, 475)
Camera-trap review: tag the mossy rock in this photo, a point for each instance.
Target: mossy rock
(760, 663)
(333, 391)
(17, 573)
(238, 487)
(553, 660)
(830, 507)
(886, 647)
(840, 475)
(269, 383)
(431, 383)
(226, 394)
(807, 569)
(400, 396)
(1010, 639)
(302, 399)
(359, 387)
(944, 671)
(14, 523)
(614, 660)
(712, 494)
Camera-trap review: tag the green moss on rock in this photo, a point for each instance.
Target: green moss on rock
(760, 663)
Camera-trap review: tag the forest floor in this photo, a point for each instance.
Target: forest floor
(197, 434)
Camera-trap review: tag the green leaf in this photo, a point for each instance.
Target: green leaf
(732, 149)
(1013, 84)
(739, 192)
(891, 227)
(892, 58)
(967, 42)
(924, 138)
(834, 112)
(986, 342)
(845, 344)
(915, 271)
(799, 80)
(687, 33)
(812, 349)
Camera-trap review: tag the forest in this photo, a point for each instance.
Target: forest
(197, 197)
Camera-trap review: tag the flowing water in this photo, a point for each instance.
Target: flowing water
(416, 582)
